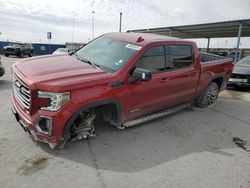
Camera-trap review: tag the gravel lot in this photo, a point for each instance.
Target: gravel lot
(193, 148)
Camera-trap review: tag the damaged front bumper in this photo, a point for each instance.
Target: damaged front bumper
(31, 128)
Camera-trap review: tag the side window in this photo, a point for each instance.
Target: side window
(153, 60)
(179, 56)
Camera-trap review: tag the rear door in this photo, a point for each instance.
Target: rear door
(182, 73)
(174, 79)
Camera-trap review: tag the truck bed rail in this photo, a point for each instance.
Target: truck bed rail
(206, 57)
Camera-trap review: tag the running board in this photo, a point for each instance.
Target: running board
(150, 117)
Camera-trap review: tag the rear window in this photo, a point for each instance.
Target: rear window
(179, 56)
(155, 51)
(244, 61)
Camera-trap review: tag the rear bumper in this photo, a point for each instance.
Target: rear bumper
(28, 126)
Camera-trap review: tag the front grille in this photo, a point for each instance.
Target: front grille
(10, 50)
(21, 92)
(241, 76)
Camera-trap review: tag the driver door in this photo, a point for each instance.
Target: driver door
(148, 96)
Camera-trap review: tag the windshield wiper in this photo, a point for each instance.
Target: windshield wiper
(89, 62)
(86, 61)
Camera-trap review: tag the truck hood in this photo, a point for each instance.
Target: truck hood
(241, 69)
(59, 71)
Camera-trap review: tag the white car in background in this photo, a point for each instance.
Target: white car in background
(61, 51)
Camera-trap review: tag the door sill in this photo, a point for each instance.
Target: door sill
(156, 115)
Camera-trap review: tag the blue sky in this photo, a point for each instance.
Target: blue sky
(29, 20)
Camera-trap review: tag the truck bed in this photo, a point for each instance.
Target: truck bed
(213, 66)
(207, 57)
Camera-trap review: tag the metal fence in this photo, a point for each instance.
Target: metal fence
(39, 48)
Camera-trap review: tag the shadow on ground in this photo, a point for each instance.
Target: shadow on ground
(5, 84)
(151, 144)
(241, 89)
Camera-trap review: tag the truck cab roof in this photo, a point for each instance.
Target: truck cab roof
(143, 39)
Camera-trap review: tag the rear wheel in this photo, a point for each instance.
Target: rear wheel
(6, 55)
(210, 96)
(31, 54)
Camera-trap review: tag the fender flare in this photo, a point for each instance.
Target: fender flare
(216, 77)
(93, 105)
(198, 98)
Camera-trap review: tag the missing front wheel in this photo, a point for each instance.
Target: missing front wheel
(83, 126)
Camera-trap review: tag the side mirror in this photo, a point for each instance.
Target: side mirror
(140, 74)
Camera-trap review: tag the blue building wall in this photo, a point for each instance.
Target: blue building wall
(39, 48)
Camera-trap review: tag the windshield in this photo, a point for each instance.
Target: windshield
(244, 61)
(107, 53)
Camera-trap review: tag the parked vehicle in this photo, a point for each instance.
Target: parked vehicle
(18, 49)
(121, 78)
(2, 70)
(232, 54)
(61, 51)
(241, 74)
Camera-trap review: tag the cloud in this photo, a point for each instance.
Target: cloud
(29, 20)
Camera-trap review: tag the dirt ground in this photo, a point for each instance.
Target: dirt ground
(192, 148)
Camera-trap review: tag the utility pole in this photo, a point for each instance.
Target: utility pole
(238, 43)
(93, 24)
(225, 43)
(73, 31)
(49, 36)
(120, 26)
(93, 20)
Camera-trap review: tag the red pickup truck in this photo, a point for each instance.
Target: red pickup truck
(124, 79)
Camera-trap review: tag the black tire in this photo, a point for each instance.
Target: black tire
(31, 54)
(6, 55)
(21, 54)
(2, 71)
(210, 96)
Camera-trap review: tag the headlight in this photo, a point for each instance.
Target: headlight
(56, 100)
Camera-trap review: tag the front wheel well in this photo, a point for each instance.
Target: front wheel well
(104, 111)
(107, 112)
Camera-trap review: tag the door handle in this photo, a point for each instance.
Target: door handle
(193, 74)
(164, 79)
